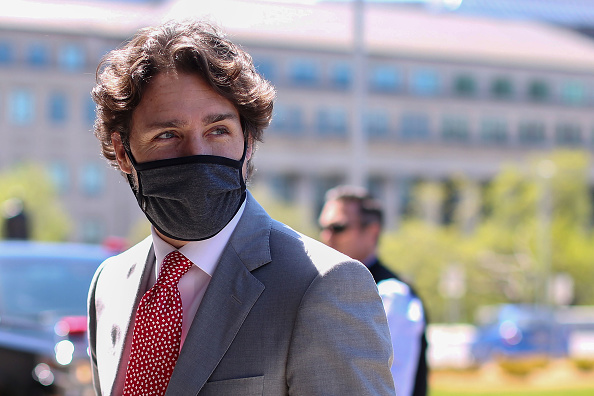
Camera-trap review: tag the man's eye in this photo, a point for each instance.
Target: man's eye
(219, 131)
(166, 135)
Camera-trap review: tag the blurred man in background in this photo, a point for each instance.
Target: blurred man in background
(351, 222)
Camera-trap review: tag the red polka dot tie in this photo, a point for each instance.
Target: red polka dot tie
(157, 331)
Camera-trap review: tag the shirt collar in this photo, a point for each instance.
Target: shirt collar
(205, 254)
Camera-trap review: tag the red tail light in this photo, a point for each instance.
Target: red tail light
(69, 325)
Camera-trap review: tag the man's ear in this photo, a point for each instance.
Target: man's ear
(121, 156)
(374, 230)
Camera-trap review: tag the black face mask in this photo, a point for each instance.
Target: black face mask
(189, 198)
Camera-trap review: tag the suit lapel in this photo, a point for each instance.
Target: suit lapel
(115, 327)
(230, 296)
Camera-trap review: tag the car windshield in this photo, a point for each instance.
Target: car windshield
(35, 286)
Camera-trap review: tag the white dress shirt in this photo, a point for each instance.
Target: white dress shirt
(406, 321)
(205, 257)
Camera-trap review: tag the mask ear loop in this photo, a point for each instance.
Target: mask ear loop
(134, 184)
(241, 161)
(244, 128)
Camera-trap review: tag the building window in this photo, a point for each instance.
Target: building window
(377, 124)
(92, 231)
(92, 179)
(304, 73)
(285, 187)
(531, 133)
(502, 88)
(21, 107)
(6, 53)
(341, 75)
(414, 126)
(424, 82)
(385, 79)
(266, 68)
(375, 186)
(89, 109)
(455, 129)
(464, 85)
(60, 176)
(494, 131)
(287, 119)
(321, 185)
(538, 91)
(38, 55)
(406, 186)
(573, 93)
(58, 107)
(331, 122)
(568, 134)
(71, 58)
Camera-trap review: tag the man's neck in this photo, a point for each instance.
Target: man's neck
(173, 242)
(371, 259)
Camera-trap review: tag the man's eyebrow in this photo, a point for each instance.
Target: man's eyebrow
(165, 124)
(176, 123)
(212, 118)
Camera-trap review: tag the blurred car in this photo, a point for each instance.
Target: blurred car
(43, 293)
(512, 330)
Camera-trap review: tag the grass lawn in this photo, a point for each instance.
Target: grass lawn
(539, 392)
(557, 377)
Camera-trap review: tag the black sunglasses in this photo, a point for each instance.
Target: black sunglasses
(336, 228)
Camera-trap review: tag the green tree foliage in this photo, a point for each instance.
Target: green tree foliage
(290, 214)
(535, 221)
(139, 230)
(30, 183)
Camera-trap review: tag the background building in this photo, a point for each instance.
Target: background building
(435, 96)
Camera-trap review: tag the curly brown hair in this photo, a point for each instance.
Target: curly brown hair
(187, 47)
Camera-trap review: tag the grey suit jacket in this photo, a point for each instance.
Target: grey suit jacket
(283, 314)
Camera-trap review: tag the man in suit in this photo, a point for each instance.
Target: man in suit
(351, 222)
(220, 299)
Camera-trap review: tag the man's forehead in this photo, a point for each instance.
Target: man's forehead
(339, 210)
